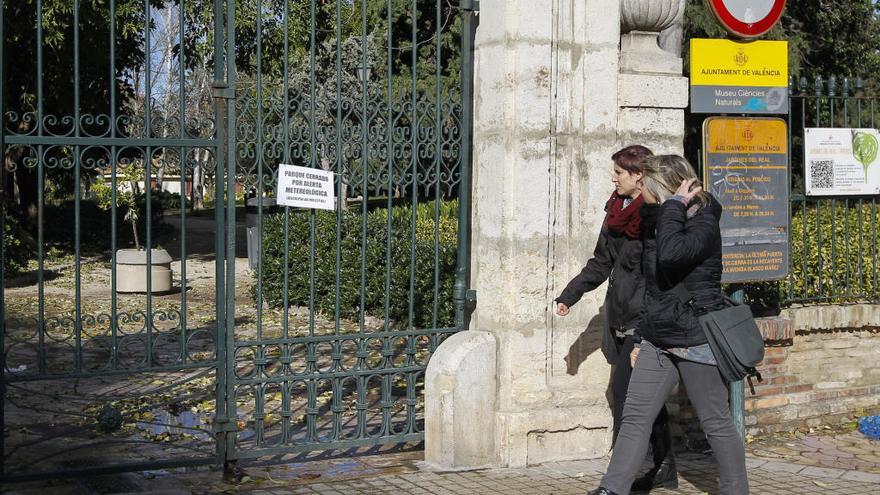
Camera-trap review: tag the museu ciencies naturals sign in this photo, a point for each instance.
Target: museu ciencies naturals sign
(739, 77)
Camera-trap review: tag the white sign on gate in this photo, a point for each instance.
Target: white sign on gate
(304, 187)
(841, 161)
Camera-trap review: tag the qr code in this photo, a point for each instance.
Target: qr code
(822, 174)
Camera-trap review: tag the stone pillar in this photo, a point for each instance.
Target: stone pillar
(653, 92)
(546, 112)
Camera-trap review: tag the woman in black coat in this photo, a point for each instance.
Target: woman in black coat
(617, 258)
(682, 265)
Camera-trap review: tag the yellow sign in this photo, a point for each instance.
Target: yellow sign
(716, 62)
(745, 167)
(746, 136)
(739, 77)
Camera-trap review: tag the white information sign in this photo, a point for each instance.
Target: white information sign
(840, 162)
(305, 187)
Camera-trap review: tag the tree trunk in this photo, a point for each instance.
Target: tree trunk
(134, 231)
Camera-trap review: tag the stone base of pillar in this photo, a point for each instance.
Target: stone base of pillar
(460, 403)
(464, 430)
(641, 54)
(553, 434)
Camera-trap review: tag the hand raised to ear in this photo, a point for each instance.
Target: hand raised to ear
(685, 191)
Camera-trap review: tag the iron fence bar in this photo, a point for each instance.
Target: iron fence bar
(862, 286)
(286, 359)
(365, 160)
(41, 265)
(183, 253)
(285, 319)
(833, 234)
(874, 222)
(229, 227)
(390, 160)
(41, 289)
(340, 200)
(77, 324)
(182, 158)
(77, 180)
(821, 272)
(438, 57)
(223, 410)
(861, 251)
(181, 76)
(259, 157)
(114, 324)
(312, 161)
(846, 226)
(806, 247)
(148, 246)
(148, 85)
(414, 160)
(462, 269)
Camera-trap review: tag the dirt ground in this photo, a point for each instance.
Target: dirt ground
(138, 396)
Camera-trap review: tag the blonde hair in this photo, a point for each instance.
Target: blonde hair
(663, 175)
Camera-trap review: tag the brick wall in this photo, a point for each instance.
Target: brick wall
(811, 378)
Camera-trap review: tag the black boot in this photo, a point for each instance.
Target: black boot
(663, 474)
(601, 491)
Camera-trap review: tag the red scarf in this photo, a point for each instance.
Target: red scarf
(623, 221)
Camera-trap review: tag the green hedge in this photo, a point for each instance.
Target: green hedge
(806, 275)
(834, 265)
(378, 271)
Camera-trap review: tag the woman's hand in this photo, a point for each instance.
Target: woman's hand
(562, 309)
(633, 356)
(685, 191)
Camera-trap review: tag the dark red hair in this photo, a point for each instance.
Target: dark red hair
(630, 158)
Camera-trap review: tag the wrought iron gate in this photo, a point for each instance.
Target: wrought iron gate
(347, 306)
(321, 343)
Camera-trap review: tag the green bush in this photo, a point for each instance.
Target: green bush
(846, 273)
(380, 265)
(839, 282)
(163, 200)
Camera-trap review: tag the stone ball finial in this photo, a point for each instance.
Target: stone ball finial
(649, 15)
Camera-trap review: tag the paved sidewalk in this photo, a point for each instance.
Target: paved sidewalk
(840, 464)
(847, 451)
(400, 474)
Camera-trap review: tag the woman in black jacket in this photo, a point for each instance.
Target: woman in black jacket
(682, 265)
(617, 258)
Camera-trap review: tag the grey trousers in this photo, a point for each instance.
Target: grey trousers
(653, 378)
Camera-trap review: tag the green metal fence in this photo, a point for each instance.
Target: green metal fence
(322, 344)
(347, 306)
(833, 239)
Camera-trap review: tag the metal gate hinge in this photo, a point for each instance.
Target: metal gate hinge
(222, 91)
(469, 5)
(471, 296)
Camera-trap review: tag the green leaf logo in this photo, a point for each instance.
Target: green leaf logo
(864, 148)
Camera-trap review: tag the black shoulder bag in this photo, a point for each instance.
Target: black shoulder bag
(734, 338)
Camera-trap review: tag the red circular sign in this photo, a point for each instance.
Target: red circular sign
(747, 18)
